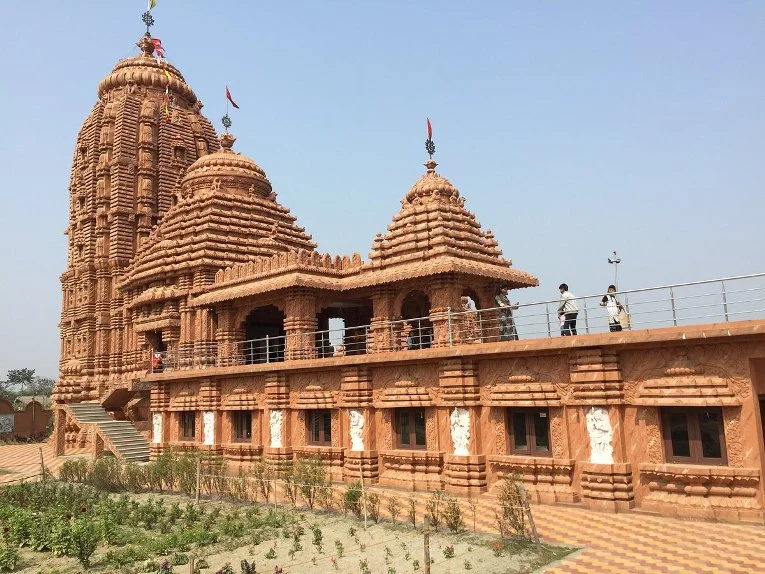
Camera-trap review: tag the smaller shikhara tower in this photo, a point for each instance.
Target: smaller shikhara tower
(132, 151)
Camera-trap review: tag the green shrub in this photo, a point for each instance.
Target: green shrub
(452, 515)
(372, 502)
(105, 474)
(180, 559)
(85, 538)
(61, 540)
(352, 499)
(311, 476)
(433, 508)
(511, 517)
(9, 555)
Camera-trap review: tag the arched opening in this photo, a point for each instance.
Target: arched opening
(418, 330)
(342, 328)
(264, 336)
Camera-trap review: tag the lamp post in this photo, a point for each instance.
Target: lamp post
(615, 262)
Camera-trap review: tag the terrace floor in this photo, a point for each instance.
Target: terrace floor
(633, 542)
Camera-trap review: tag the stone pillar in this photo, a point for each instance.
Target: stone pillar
(59, 432)
(444, 296)
(596, 385)
(379, 338)
(361, 456)
(278, 453)
(229, 333)
(300, 325)
(464, 469)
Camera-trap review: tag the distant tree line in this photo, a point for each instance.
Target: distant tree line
(24, 382)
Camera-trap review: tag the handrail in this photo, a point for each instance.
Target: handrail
(491, 324)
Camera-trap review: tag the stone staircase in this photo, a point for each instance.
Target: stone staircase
(120, 437)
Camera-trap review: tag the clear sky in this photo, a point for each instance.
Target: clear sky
(572, 128)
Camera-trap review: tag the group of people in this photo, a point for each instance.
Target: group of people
(568, 312)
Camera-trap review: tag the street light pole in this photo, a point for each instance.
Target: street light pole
(615, 262)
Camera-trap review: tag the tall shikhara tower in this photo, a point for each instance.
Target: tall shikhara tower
(130, 157)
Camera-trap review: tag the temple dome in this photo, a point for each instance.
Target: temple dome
(228, 169)
(431, 186)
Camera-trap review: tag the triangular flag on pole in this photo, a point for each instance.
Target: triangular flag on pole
(152, 4)
(228, 97)
(430, 129)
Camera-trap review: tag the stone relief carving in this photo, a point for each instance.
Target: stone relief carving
(208, 427)
(357, 430)
(156, 424)
(6, 423)
(460, 424)
(431, 437)
(733, 444)
(601, 433)
(497, 417)
(653, 434)
(557, 436)
(387, 429)
(275, 419)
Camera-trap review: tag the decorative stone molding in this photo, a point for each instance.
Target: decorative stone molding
(607, 487)
(356, 430)
(547, 480)
(465, 475)
(355, 387)
(707, 492)
(596, 378)
(275, 422)
(459, 422)
(601, 435)
(333, 458)
(458, 382)
(404, 394)
(358, 463)
(416, 470)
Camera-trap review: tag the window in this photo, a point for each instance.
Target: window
(242, 425)
(529, 431)
(694, 435)
(319, 427)
(188, 425)
(410, 428)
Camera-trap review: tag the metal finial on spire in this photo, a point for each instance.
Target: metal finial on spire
(430, 147)
(226, 121)
(148, 19)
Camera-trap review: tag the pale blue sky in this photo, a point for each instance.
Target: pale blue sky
(572, 128)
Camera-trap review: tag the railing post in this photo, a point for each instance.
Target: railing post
(672, 301)
(725, 300)
(449, 321)
(586, 322)
(547, 313)
(268, 352)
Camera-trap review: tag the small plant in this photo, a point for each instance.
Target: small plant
(511, 518)
(85, 539)
(246, 567)
(416, 565)
(334, 563)
(227, 569)
(352, 532)
(372, 503)
(363, 547)
(165, 568)
(364, 566)
(498, 549)
(452, 515)
(352, 500)
(9, 555)
(433, 508)
(339, 548)
(468, 565)
(394, 508)
(391, 570)
(317, 537)
(271, 554)
(412, 512)
(473, 504)
(201, 564)
(179, 559)
(449, 551)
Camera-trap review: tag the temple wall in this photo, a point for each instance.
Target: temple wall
(467, 403)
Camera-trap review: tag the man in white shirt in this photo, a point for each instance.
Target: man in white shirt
(567, 311)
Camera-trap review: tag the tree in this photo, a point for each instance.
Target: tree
(24, 382)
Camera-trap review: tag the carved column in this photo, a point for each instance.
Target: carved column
(361, 456)
(380, 340)
(278, 453)
(229, 333)
(444, 294)
(464, 469)
(596, 386)
(300, 326)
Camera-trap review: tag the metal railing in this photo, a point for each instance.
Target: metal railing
(700, 302)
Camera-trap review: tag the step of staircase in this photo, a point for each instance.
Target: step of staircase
(128, 443)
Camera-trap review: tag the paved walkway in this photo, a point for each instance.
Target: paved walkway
(611, 543)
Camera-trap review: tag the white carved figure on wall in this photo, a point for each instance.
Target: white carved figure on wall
(275, 419)
(357, 430)
(460, 423)
(156, 423)
(601, 433)
(208, 427)
(6, 423)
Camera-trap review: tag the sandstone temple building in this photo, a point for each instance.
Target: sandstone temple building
(198, 314)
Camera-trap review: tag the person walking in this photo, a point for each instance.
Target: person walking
(507, 330)
(613, 308)
(567, 311)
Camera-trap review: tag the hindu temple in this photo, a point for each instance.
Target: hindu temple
(197, 314)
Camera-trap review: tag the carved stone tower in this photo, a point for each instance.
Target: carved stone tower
(130, 156)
